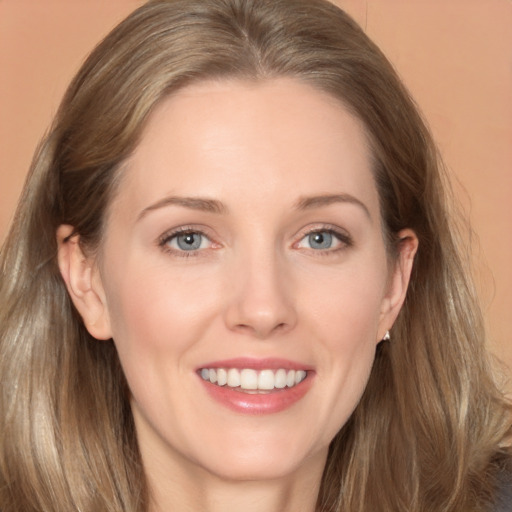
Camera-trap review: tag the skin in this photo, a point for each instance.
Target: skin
(256, 287)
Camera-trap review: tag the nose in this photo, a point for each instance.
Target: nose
(262, 303)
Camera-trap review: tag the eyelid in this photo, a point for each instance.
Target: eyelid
(340, 234)
(164, 239)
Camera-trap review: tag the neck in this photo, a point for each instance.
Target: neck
(187, 488)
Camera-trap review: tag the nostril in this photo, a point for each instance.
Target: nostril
(260, 330)
(260, 307)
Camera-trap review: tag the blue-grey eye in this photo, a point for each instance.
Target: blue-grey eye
(189, 241)
(320, 240)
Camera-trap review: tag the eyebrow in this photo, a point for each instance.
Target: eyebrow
(307, 203)
(214, 206)
(193, 203)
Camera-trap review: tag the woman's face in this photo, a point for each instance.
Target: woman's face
(245, 245)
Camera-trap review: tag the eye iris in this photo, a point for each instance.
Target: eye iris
(189, 241)
(321, 240)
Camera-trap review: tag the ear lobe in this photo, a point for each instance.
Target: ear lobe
(83, 283)
(399, 280)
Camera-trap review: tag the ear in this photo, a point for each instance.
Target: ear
(83, 283)
(398, 281)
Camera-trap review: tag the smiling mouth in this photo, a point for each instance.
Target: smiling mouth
(249, 380)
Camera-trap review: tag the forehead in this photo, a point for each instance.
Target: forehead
(229, 138)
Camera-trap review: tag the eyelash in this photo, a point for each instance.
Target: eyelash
(343, 237)
(166, 238)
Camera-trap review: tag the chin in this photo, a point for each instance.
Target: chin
(261, 462)
(251, 471)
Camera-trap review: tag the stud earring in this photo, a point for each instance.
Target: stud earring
(387, 336)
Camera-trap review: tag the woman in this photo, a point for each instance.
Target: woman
(205, 291)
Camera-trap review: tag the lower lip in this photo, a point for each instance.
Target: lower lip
(258, 403)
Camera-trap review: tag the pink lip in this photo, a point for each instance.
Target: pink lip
(257, 364)
(258, 403)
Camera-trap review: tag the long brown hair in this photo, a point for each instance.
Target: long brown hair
(428, 433)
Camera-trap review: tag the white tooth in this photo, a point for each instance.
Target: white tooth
(280, 379)
(222, 376)
(248, 379)
(300, 375)
(213, 376)
(205, 373)
(290, 378)
(266, 379)
(233, 378)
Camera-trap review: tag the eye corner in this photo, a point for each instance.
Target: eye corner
(330, 239)
(186, 241)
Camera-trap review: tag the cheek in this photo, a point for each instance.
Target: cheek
(156, 324)
(157, 319)
(152, 308)
(346, 327)
(344, 316)
(347, 303)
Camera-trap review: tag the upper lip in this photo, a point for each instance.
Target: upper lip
(257, 364)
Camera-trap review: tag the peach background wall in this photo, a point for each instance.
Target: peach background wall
(454, 55)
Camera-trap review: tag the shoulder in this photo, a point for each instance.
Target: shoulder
(504, 495)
